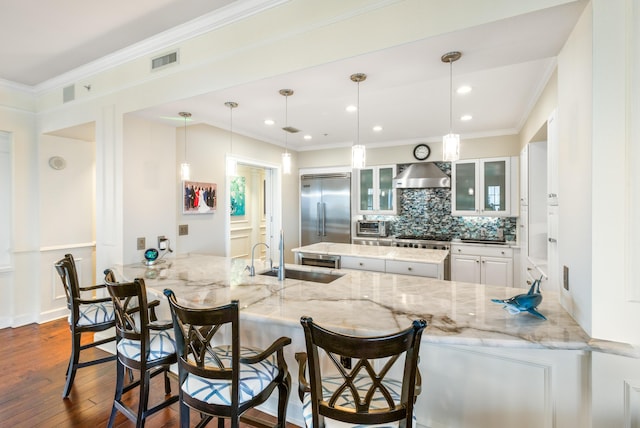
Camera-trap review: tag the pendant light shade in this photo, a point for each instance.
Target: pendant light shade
(286, 156)
(232, 165)
(358, 151)
(358, 156)
(185, 168)
(451, 141)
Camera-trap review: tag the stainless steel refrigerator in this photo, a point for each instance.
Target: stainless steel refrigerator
(325, 206)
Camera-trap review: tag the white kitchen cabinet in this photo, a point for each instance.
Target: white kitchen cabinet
(362, 263)
(413, 268)
(482, 264)
(376, 194)
(536, 269)
(524, 177)
(484, 187)
(430, 270)
(552, 160)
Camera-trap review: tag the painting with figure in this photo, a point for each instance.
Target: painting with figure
(199, 197)
(237, 196)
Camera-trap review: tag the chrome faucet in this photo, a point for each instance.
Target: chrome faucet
(251, 269)
(281, 271)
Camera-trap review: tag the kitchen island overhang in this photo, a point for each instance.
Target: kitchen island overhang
(473, 351)
(367, 302)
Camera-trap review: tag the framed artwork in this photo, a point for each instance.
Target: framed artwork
(199, 198)
(237, 196)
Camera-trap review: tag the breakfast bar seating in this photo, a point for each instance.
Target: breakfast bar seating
(358, 388)
(142, 345)
(88, 315)
(217, 376)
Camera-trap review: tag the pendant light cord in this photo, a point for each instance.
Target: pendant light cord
(185, 138)
(358, 115)
(286, 120)
(450, 96)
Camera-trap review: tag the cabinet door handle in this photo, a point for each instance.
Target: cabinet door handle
(409, 268)
(553, 240)
(360, 264)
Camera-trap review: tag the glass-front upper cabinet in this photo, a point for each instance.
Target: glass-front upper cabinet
(481, 187)
(376, 194)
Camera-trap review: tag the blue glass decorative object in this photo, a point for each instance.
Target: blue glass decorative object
(151, 255)
(524, 302)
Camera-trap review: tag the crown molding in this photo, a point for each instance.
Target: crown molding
(227, 15)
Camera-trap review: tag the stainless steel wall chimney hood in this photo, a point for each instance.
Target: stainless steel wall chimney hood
(420, 176)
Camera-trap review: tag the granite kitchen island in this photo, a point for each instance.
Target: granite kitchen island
(481, 366)
(404, 261)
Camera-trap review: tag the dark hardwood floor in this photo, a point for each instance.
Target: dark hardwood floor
(35, 358)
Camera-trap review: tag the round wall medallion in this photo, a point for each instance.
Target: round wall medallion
(421, 152)
(57, 162)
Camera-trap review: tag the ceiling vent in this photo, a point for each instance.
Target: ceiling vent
(164, 60)
(68, 93)
(290, 129)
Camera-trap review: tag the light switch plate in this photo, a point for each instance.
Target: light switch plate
(183, 229)
(140, 243)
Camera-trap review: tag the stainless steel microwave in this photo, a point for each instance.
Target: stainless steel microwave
(371, 228)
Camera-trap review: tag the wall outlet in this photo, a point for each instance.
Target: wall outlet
(163, 242)
(141, 243)
(565, 277)
(183, 229)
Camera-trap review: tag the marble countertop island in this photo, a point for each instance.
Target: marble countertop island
(362, 302)
(373, 251)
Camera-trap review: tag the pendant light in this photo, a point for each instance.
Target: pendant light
(185, 168)
(232, 165)
(358, 151)
(451, 141)
(286, 156)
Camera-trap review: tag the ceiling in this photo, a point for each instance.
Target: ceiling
(507, 63)
(40, 40)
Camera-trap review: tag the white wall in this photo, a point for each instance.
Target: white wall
(20, 285)
(616, 290)
(67, 196)
(150, 191)
(470, 148)
(575, 164)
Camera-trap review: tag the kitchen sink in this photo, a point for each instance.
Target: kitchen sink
(305, 275)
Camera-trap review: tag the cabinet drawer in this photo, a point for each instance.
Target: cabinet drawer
(362, 263)
(412, 268)
(496, 251)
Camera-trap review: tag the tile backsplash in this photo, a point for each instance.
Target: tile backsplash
(428, 212)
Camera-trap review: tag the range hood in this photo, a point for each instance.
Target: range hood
(420, 176)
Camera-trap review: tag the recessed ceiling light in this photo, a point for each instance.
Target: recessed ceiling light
(307, 137)
(377, 128)
(351, 108)
(269, 122)
(466, 117)
(465, 89)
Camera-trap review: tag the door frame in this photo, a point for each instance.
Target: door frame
(272, 198)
